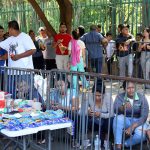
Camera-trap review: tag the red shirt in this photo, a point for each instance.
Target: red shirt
(65, 41)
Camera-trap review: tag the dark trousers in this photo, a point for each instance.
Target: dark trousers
(109, 65)
(102, 125)
(97, 64)
(1, 81)
(38, 63)
(50, 64)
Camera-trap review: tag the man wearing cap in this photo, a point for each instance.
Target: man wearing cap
(94, 41)
(61, 41)
(45, 40)
(124, 54)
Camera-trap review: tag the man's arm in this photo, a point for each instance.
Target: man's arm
(104, 42)
(22, 55)
(118, 105)
(4, 57)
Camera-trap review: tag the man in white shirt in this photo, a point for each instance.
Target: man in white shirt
(110, 48)
(20, 48)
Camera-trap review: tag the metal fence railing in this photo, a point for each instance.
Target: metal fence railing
(100, 107)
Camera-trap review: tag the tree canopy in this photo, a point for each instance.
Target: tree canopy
(109, 13)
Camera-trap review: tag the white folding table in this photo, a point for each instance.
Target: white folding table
(25, 132)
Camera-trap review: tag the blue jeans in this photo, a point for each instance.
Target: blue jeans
(97, 64)
(120, 123)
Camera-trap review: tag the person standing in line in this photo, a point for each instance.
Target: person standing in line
(76, 49)
(3, 58)
(124, 53)
(145, 55)
(99, 27)
(81, 30)
(137, 55)
(110, 48)
(61, 41)
(38, 60)
(81, 33)
(45, 40)
(94, 41)
(119, 28)
(20, 48)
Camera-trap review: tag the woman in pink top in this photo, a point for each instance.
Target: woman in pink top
(76, 49)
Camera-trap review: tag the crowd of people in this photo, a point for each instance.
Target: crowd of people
(55, 52)
(76, 52)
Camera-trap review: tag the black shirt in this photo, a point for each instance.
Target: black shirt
(120, 45)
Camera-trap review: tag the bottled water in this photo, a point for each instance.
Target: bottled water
(97, 143)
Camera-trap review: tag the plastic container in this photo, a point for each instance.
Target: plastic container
(97, 143)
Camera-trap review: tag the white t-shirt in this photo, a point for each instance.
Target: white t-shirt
(18, 45)
(80, 43)
(110, 48)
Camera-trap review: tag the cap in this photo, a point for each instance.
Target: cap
(41, 29)
(125, 26)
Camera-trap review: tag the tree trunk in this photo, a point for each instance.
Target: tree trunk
(42, 16)
(66, 12)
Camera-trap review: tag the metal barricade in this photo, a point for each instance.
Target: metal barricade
(82, 103)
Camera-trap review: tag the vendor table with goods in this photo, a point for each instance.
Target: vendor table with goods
(22, 119)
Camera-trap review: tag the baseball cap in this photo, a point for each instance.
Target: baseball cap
(41, 29)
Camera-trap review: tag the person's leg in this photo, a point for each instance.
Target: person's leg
(2, 81)
(93, 64)
(59, 62)
(74, 82)
(143, 65)
(34, 62)
(120, 122)
(130, 65)
(80, 68)
(103, 129)
(140, 73)
(109, 66)
(41, 63)
(138, 136)
(148, 70)
(122, 66)
(99, 64)
(38, 62)
(50, 64)
(65, 62)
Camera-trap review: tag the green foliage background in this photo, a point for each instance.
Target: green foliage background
(108, 13)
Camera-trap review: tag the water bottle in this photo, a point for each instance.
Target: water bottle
(97, 143)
